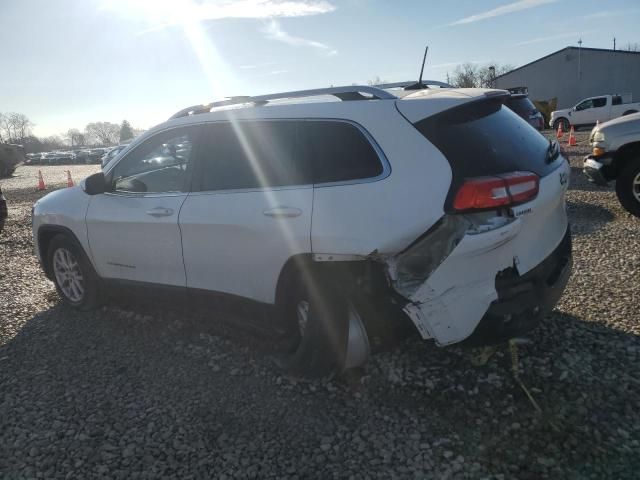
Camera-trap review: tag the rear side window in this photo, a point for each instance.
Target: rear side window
(599, 102)
(251, 154)
(338, 152)
(522, 106)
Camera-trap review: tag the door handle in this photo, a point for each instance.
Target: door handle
(160, 212)
(283, 212)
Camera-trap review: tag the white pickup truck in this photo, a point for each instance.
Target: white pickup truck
(594, 109)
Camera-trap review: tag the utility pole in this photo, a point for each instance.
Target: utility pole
(614, 44)
(579, 59)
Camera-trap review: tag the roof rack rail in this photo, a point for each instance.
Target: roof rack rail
(425, 84)
(354, 92)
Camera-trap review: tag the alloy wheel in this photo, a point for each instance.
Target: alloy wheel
(68, 274)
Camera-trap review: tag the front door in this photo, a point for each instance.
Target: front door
(133, 229)
(250, 209)
(590, 111)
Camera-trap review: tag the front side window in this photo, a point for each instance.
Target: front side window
(585, 105)
(251, 155)
(158, 165)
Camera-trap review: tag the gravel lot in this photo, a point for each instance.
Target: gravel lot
(156, 392)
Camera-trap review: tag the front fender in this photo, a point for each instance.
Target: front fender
(65, 210)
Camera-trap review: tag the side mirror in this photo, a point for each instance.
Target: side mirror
(95, 184)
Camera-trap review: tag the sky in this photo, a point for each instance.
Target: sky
(66, 63)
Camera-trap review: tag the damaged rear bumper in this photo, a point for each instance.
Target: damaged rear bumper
(524, 300)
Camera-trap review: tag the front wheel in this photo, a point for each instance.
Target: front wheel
(628, 187)
(73, 275)
(562, 121)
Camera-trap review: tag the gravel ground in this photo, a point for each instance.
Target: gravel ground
(155, 392)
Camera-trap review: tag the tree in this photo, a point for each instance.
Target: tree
(21, 126)
(76, 137)
(126, 132)
(376, 81)
(14, 127)
(470, 75)
(632, 47)
(103, 133)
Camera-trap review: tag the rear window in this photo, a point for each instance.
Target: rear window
(486, 138)
(522, 106)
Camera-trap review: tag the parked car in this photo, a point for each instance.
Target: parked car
(616, 156)
(343, 217)
(4, 211)
(106, 158)
(10, 157)
(524, 107)
(589, 111)
(61, 158)
(33, 159)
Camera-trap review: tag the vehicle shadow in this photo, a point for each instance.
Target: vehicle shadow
(115, 370)
(580, 182)
(587, 218)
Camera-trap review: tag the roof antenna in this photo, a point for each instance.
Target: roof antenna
(419, 85)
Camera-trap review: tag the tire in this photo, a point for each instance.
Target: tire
(629, 112)
(565, 124)
(73, 275)
(317, 319)
(628, 187)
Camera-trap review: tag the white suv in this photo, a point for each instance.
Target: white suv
(349, 210)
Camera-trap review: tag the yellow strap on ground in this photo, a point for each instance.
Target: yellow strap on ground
(513, 348)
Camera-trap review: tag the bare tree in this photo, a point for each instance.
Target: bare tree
(470, 75)
(104, 133)
(21, 126)
(6, 127)
(376, 81)
(14, 127)
(76, 137)
(632, 47)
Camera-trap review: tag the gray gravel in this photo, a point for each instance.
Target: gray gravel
(156, 392)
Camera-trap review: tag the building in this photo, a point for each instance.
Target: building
(574, 73)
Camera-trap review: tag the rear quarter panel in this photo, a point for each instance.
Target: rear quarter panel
(386, 215)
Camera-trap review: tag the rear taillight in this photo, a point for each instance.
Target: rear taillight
(496, 191)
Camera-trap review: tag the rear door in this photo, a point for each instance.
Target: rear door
(250, 208)
(133, 230)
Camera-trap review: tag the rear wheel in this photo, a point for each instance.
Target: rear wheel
(628, 187)
(629, 112)
(317, 317)
(73, 275)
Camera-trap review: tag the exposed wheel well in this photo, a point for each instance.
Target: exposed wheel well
(625, 154)
(629, 112)
(291, 269)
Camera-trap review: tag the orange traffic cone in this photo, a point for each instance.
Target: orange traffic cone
(572, 137)
(41, 185)
(559, 133)
(69, 179)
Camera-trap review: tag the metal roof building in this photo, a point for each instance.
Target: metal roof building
(574, 73)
